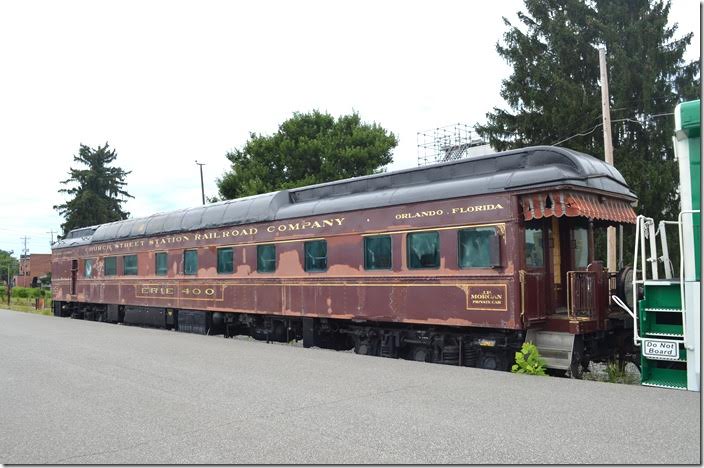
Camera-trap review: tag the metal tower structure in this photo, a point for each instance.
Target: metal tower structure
(449, 143)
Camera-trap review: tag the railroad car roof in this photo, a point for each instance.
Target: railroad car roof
(509, 171)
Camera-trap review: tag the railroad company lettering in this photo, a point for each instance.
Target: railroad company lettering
(230, 233)
(99, 248)
(169, 240)
(303, 225)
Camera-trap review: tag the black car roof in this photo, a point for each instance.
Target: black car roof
(516, 170)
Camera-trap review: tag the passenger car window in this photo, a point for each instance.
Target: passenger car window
(129, 265)
(478, 247)
(423, 250)
(110, 266)
(161, 263)
(190, 262)
(534, 248)
(266, 258)
(316, 253)
(581, 247)
(377, 253)
(88, 268)
(226, 259)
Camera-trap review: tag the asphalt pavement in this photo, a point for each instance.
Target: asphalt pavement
(80, 392)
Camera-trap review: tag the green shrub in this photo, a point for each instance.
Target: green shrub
(27, 293)
(528, 361)
(22, 293)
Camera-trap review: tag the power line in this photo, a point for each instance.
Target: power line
(613, 121)
(617, 109)
(579, 134)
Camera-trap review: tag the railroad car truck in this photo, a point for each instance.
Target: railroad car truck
(456, 263)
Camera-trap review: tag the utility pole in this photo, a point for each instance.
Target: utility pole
(24, 257)
(608, 153)
(52, 236)
(202, 189)
(9, 279)
(25, 239)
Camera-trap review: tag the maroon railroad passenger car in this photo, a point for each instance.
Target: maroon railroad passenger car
(457, 263)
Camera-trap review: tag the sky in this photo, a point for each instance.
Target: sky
(167, 83)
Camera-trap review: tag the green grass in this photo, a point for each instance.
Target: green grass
(26, 305)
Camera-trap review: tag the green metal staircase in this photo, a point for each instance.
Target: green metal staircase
(667, 317)
(660, 318)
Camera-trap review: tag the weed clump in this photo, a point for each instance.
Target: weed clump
(528, 361)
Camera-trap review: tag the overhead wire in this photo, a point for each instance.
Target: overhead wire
(613, 121)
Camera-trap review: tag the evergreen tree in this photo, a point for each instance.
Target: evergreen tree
(307, 149)
(554, 93)
(8, 264)
(98, 193)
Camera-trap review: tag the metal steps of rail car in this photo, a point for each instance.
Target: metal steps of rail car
(661, 316)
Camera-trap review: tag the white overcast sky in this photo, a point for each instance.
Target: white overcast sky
(169, 82)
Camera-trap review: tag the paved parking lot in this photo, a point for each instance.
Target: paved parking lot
(84, 392)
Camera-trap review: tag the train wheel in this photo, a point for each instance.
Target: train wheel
(420, 353)
(576, 370)
(366, 346)
(493, 360)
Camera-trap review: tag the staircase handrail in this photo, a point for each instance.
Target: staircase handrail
(680, 232)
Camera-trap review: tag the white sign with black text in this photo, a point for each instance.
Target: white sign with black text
(661, 349)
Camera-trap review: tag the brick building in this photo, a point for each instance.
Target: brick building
(32, 267)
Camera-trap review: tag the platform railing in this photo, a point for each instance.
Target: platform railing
(645, 229)
(581, 297)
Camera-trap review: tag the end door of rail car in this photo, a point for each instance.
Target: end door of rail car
(74, 276)
(534, 278)
(553, 247)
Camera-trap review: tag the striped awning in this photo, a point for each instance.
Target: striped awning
(568, 203)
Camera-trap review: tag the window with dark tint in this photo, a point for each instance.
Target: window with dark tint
(581, 247)
(266, 258)
(129, 265)
(110, 266)
(377, 253)
(534, 248)
(316, 253)
(478, 247)
(225, 260)
(88, 268)
(162, 266)
(190, 262)
(423, 250)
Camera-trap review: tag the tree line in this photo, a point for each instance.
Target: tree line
(553, 96)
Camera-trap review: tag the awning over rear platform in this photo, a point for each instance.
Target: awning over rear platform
(568, 203)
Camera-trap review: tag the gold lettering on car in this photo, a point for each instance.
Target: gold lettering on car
(420, 214)
(156, 291)
(193, 292)
(477, 208)
(487, 297)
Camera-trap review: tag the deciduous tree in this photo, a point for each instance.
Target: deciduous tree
(307, 149)
(8, 264)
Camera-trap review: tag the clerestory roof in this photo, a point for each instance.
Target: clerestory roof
(523, 169)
